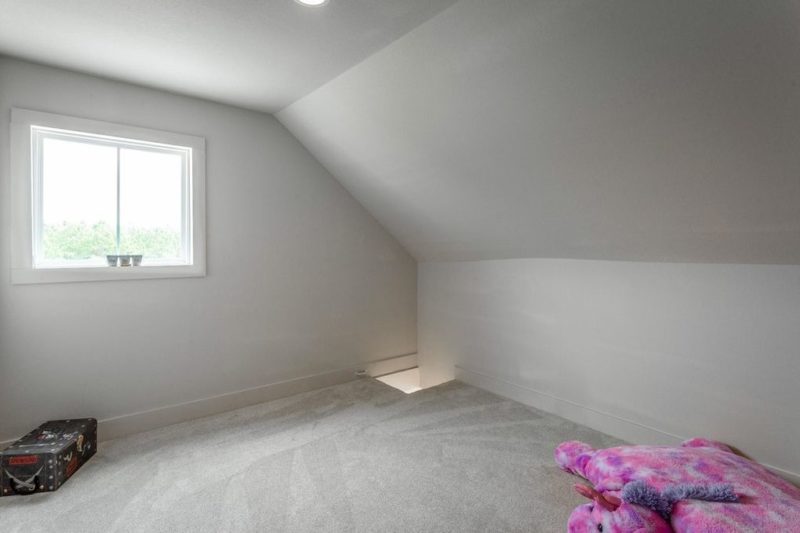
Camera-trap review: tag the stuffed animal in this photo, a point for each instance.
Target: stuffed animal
(701, 486)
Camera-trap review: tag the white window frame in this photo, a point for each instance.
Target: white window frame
(26, 126)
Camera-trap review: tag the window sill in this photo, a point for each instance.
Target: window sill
(30, 276)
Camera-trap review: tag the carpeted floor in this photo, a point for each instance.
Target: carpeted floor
(356, 457)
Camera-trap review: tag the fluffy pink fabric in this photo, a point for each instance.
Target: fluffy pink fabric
(768, 504)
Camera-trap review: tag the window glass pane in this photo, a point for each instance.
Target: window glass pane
(151, 203)
(79, 201)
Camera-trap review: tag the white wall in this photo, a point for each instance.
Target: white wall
(650, 352)
(301, 280)
(646, 130)
(656, 131)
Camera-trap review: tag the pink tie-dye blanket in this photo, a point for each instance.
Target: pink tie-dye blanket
(765, 503)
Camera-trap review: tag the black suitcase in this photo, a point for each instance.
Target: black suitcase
(45, 458)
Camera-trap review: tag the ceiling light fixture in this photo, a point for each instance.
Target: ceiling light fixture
(312, 3)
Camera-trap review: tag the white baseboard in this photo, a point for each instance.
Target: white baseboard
(113, 428)
(120, 426)
(391, 365)
(608, 423)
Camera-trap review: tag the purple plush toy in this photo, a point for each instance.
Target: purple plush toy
(701, 486)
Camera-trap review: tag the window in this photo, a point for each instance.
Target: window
(94, 200)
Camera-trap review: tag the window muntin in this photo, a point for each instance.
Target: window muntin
(97, 195)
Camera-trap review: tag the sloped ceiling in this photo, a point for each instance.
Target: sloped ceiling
(261, 54)
(616, 129)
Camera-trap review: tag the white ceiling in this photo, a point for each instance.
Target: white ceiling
(614, 129)
(608, 129)
(261, 54)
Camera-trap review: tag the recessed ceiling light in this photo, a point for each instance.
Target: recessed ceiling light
(314, 3)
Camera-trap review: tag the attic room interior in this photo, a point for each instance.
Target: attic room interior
(384, 266)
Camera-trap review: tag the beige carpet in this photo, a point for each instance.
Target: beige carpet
(356, 457)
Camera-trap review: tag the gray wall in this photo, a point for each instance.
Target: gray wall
(301, 280)
(649, 130)
(651, 352)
